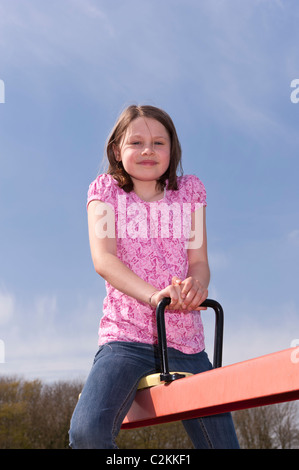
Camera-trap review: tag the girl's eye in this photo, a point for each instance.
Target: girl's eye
(138, 142)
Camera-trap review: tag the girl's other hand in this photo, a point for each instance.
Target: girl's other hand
(192, 294)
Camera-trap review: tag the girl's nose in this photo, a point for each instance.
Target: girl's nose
(147, 149)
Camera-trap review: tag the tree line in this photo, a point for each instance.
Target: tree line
(36, 415)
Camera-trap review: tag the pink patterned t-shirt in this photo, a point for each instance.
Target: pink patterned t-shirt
(152, 240)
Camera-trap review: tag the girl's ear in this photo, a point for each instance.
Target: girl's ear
(116, 152)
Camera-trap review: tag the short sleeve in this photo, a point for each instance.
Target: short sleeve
(102, 189)
(199, 192)
(194, 191)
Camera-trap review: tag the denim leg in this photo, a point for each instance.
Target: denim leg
(108, 394)
(210, 432)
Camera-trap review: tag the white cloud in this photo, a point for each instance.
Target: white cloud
(44, 340)
(52, 34)
(7, 306)
(293, 237)
(91, 9)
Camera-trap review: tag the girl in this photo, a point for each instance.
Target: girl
(148, 241)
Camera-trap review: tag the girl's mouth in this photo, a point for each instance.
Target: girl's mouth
(148, 162)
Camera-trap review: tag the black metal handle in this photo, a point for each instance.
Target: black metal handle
(218, 336)
(162, 342)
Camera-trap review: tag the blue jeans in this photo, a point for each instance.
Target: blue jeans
(110, 390)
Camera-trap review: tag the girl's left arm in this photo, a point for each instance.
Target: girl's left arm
(194, 289)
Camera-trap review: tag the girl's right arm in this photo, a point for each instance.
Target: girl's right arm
(112, 269)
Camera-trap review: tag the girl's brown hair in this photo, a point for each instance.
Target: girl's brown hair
(116, 168)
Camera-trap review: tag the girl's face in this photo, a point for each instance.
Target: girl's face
(145, 150)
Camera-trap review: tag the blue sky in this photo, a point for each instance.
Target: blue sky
(222, 69)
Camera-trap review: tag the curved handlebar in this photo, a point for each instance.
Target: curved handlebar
(162, 343)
